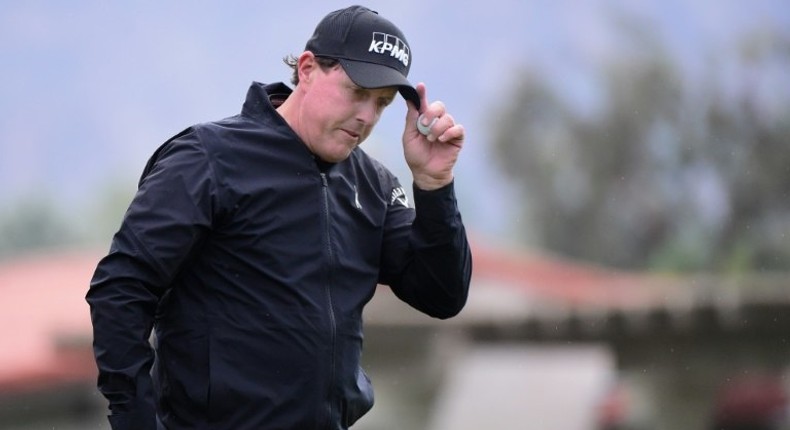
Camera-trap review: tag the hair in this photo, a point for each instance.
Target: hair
(291, 61)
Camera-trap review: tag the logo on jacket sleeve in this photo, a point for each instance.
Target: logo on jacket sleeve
(399, 196)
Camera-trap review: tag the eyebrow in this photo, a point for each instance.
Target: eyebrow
(388, 96)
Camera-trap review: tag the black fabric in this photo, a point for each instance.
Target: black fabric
(252, 266)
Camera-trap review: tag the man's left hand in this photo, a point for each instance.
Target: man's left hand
(431, 158)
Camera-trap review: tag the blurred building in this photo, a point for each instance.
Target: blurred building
(543, 344)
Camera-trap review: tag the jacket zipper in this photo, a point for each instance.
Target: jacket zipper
(328, 289)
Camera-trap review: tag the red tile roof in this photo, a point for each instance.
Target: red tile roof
(46, 330)
(44, 320)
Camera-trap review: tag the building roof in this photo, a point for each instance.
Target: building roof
(44, 320)
(46, 328)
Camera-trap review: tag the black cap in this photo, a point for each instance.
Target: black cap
(372, 50)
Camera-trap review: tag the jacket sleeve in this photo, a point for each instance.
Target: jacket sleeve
(427, 262)
(167, 219)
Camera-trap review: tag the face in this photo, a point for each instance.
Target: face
(335, 114)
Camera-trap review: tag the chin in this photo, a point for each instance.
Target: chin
(334, 158)
(337, 156)
(339, 159)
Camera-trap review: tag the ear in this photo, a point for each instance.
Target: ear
(306, 65)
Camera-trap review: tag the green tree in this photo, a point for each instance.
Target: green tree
(39, 222)
(33, 224)
(669, 173)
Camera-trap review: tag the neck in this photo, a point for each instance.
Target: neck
(289, 109)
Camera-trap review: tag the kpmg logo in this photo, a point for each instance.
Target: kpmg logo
(384, 43)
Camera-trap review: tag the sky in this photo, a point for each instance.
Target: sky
(89, 89)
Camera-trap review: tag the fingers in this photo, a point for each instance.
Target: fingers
(453, 135)
(434, 122)
(431, 116)
(438, 125)
(422, 92)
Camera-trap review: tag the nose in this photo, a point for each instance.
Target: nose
(367, 112)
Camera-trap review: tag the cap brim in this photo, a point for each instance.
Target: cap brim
(370, 75)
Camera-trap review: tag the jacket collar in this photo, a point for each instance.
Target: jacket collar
(263, 98)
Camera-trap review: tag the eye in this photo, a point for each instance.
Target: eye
(359, 92)
(385, 101)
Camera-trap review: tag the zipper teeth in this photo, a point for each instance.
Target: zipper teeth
(328, 289)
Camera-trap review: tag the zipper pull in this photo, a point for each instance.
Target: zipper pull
(323, 179)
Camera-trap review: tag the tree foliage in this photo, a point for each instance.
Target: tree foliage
(39, 222)
(33, 224)
(669, 173)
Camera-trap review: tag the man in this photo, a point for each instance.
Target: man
(254, 243)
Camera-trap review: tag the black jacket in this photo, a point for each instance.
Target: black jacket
(253, 262)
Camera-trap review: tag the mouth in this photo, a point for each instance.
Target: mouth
(354, 135)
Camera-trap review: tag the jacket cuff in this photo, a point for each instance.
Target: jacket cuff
(437, 219)
(436, 205)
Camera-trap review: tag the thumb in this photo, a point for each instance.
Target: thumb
(413, 113)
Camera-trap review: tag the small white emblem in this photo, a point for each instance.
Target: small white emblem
(356, 199)
(399, 195)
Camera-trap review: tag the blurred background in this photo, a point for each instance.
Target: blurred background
(625, 183)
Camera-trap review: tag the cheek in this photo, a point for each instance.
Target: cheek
(317, 113)
(330, 107)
